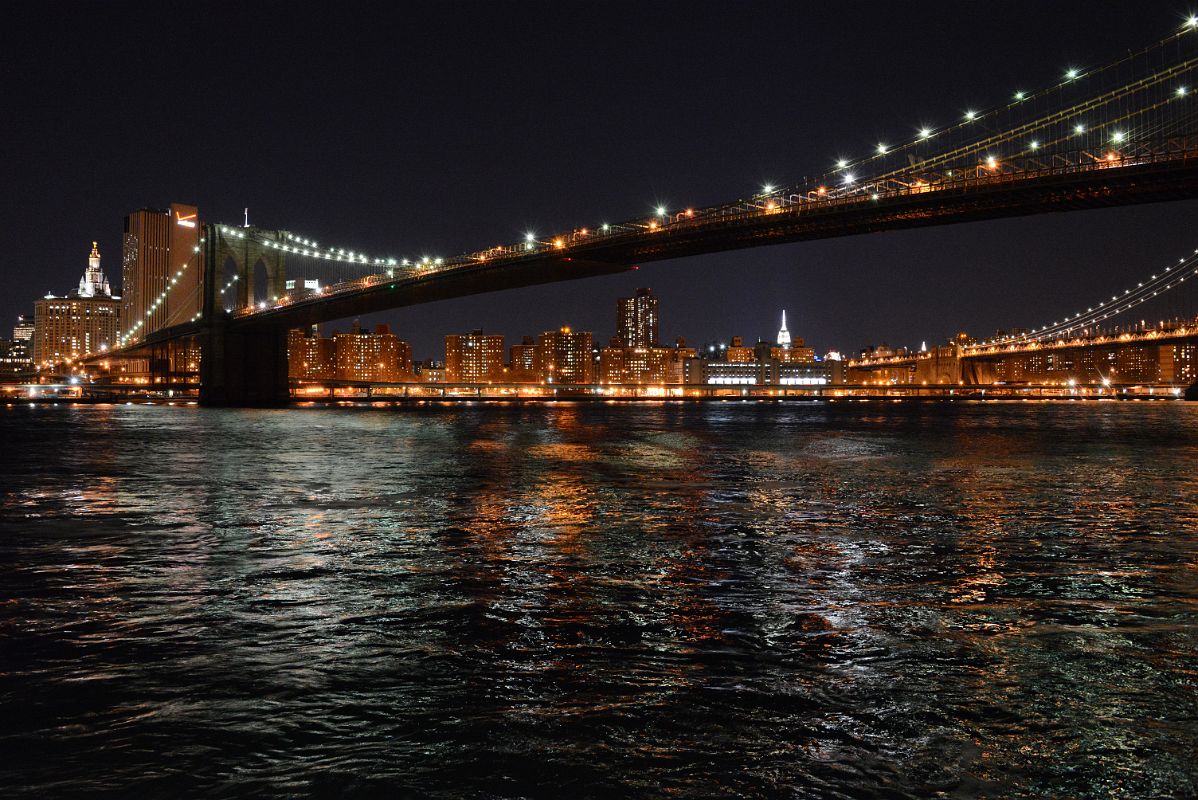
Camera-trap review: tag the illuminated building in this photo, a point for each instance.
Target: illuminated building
(86, 321)
(637, 319)
(642, 365)
(17, 359)
(565, 356)
(737, 352)
(310, 357)
(378, 357)
(783, 334)
(524, 362)
(474, 357)
(161, 270)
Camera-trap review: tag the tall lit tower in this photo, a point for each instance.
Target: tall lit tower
(784, 335)
(162, 270)
(636, 319)
(93, 281)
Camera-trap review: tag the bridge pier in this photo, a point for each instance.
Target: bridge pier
(244, 368)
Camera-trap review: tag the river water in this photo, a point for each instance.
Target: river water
(597, 600)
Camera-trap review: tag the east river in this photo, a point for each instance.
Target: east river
(600, 600)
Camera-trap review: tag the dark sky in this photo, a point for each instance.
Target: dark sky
(404, 129)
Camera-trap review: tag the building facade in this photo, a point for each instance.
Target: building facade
(358, 356)
(17, 360)
(524, 362)
(161, 270)
(637, 319)
(85, 321)
(475, 357)
(565, 356)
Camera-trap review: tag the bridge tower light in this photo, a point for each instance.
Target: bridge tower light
(1020, 95)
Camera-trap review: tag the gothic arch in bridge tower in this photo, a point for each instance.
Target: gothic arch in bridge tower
(246, 252)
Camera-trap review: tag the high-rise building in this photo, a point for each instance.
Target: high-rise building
(474, 357)
(161, 270)
(637, 319)
(85, 321)
(378, 357)
(17, 361)
(565, 356)
(783, 334)
(310, 357)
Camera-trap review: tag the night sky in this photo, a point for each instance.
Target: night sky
(457, 126)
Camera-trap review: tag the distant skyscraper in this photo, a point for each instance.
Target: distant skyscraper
(86, 321)
(783, 334)
(161, 270)
(637, 319)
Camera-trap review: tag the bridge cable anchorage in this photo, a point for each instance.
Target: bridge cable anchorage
(1165, 279)
(1137, 109)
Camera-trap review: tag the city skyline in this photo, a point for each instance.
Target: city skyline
(844, 292)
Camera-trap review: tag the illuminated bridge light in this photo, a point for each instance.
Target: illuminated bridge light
(1072, 73)
(925, 133)
(841, 163)
(1079, 128)
(1118, 136)
(661, 211)
(1033, 145)
(769, 187)
(882, 149)
(1020, 95)
(970, 116)
(1181, 91)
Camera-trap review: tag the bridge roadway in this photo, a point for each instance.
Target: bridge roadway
(1170, 174)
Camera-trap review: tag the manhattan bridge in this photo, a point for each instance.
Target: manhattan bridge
(1122, 133)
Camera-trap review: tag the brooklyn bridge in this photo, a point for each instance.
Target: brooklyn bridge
(1119, 134)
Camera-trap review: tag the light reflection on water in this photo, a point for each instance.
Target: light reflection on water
(537, 600)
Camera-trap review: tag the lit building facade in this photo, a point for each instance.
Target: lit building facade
(360, 355)
(642, 365)
(637, 319)
(86, 321)
(474, 357)
(565, 356)
(17, 360)
(524, 362)
(161, 270)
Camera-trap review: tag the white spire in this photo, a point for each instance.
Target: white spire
(93, 281)
(784, 335)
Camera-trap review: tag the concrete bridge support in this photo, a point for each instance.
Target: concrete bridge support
(244, 368)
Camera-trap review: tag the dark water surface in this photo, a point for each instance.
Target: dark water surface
(589, 600)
